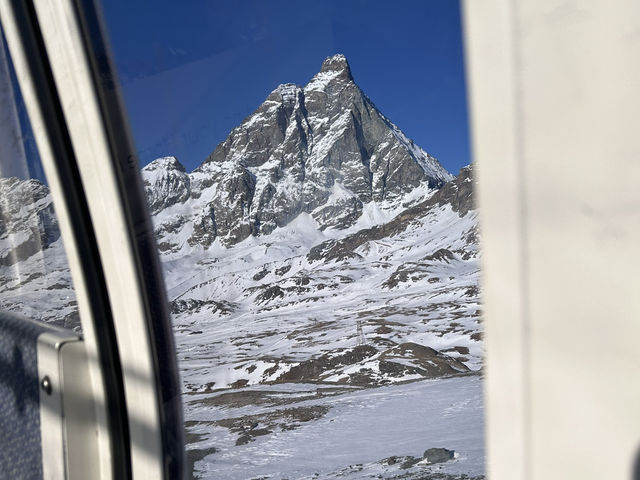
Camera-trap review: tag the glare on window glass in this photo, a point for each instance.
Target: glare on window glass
(34, 274)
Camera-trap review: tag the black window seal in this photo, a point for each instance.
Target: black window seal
(83, 232)
(125, 161)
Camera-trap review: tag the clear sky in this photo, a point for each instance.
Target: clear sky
(193, 70)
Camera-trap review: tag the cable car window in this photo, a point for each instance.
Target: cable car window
(320, 250)
(34, 274)
(43, 367)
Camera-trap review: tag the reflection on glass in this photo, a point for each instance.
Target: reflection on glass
(34, 275)
(321, 266)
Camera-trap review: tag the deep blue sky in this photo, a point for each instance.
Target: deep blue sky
(192, 70)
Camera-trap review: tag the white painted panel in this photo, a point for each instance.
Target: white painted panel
(574, 70)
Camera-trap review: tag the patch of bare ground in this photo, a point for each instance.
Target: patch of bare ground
(251, 397)
(382, 342)
(459, 349)
(442, 255)
(394, 363)
(193, 306)
(273, 398)
(312, 369)
(383, 329)
(251, 426)
(381, 314)
(191, 389)
(268, 333)
(449, 329)
(422, 475)
(194, 455)
(427, 362)
(191, 437)
(408, 272)
(314, 328)
(244, 342)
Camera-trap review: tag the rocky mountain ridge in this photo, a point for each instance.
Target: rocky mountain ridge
(322, 149)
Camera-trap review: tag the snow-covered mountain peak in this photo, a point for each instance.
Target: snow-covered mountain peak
(324, 150)
(337, 63)
(165, 182)
(334, 70)
(164, 163)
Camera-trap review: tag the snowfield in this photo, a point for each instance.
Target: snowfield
(355, 438)
(297, 308)
(278, 383)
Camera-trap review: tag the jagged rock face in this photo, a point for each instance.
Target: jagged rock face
(322, 149)
(457, 193)
(165, 183)
(27, 221)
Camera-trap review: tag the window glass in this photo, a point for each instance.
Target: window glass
(305, 165)
(34, 274)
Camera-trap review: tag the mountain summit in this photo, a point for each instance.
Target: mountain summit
(323, 149)
(337, 63)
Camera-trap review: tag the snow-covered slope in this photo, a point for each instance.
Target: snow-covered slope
(278, 307)
(322, 433)
(291, 326)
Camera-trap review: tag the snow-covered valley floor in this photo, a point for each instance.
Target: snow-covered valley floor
(316, 353)
(326, 354)
(316, 431)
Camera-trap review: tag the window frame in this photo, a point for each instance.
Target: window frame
(63, 67)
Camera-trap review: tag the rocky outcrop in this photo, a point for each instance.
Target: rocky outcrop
(365, 365)
(165, 183)
(457, 193)
(438, 455)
